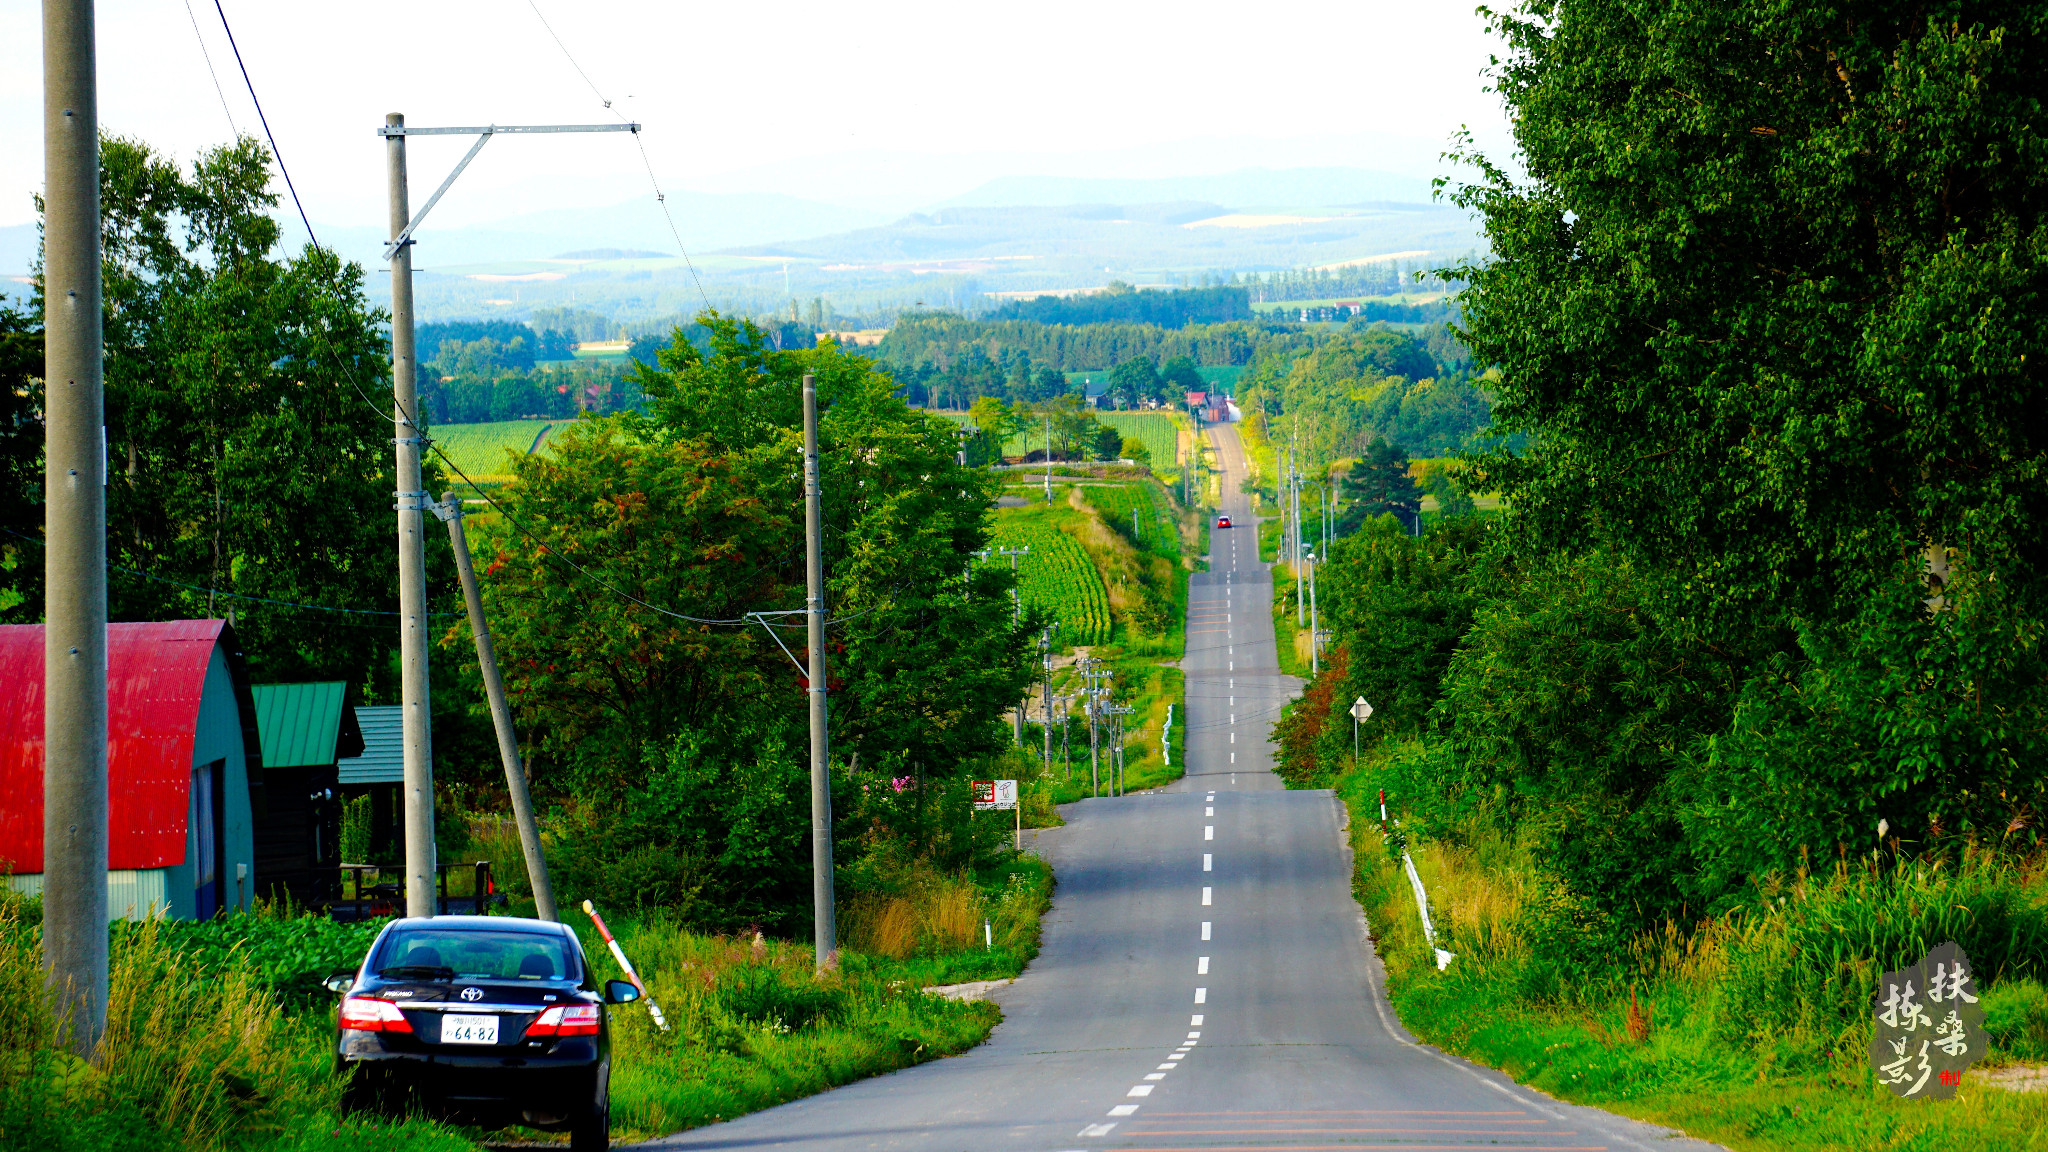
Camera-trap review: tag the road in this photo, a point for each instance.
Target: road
(1205, 980)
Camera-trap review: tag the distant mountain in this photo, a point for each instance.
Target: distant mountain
(1245, 188)
(634, 227)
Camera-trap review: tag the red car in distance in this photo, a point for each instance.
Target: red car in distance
(1223, 521)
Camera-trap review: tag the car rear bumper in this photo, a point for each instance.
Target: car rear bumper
(500, 1086)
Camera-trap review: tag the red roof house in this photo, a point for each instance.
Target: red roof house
(182, 756)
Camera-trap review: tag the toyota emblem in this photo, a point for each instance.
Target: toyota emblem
(472, 994)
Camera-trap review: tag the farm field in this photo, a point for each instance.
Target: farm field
(479, 449)
(1056, 577)
(1157, 430)
(1153, 528)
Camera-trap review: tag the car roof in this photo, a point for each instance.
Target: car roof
(484, 924)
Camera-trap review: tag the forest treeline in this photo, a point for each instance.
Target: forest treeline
(1764, 344)
(1120, 303)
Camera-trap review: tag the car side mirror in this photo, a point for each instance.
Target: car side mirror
(339, 982)
(620, 992)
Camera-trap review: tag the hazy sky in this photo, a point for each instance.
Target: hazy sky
(889, 105)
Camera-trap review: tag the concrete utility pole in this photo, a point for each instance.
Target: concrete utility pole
(1016, 614)
(823, 927)
(1315, 635)
(75, 532)
(416, 719)
(1045, 659)
(501, 713)
(1048, 458)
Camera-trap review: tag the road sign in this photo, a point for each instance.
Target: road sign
(994, 794)
(1360, 710)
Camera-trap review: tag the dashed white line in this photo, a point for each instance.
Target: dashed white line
(1097, 1129)
(1208, 811)
(1193, 1036)
(1156, 1075)
(1201, 995)
(1140, 1090)
(1201, 965)
(1205, 936)
(1207, 861)
(1205, 897)
(1194, 1023)
(1123, 1110)
(1208, 831)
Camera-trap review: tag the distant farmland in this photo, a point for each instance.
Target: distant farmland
(479, 450)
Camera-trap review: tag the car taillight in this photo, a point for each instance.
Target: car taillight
(565, 1020)
(368, 1014)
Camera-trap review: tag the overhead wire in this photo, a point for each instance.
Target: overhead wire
(411, 416)
(660, 197)
(208, 57)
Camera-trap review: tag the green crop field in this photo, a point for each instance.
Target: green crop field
(1154, 524)
(1058, 578)
(479, 449)
(1155, 429)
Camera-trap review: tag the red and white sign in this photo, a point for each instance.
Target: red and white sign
(994, 794)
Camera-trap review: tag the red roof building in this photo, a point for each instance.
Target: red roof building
(182, 755)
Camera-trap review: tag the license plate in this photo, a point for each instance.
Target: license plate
(459, 1029)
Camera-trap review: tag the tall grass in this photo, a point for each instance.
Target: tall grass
(1750, 1028)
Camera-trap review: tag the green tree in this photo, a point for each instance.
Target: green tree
(242, 457)
(1378, 484)
(1133, 382)
(1179, 375)
(21, 462)
(675, 742)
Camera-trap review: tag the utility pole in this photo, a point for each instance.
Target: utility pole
(1016, 615)
(823, 926)
(1045, 660)
(416, 717)
(1048, 458)
(1294, 558)
(450, 510)
(75, 531)
(1315, 636)
(410, 440)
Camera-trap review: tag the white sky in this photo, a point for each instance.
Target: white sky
(890, 104)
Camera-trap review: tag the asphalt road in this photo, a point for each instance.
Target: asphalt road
(1205, 981)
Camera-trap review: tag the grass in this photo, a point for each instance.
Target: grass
(480, 449)
(1158, 431)
(1749, 1029)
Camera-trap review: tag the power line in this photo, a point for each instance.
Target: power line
(264, 120)
(208, 57)
(660, 197)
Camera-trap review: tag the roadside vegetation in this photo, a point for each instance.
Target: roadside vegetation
(1742, 699)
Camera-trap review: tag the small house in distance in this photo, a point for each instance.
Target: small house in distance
(307, 729)
(181, 756)
(378, 773)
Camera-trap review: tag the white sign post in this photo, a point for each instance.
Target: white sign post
(1000, 794)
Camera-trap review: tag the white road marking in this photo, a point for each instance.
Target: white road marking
(1194, 1036)
(1207, 862)
(1209, 812)
(1233, 760)
(1201, 965)
(1194, 1023)
(1233, 737)
(1123, 1110)
(1205, 897)
(1155, 1075)
(1096, 1130)
(1140, 1090)
(1233, 666)
(1164, 1068)
(1208, 831)
(1201, 995)
(1205, 936)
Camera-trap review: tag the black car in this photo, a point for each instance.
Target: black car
(488, 1020)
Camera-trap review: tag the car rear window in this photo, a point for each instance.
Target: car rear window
(477, 954)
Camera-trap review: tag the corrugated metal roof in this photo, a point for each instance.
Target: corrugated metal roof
(156, 674)
(383, 758)
(300, 723)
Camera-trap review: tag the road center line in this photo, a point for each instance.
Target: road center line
(1201, 995)
(1205, 897)
(1207, 861)
(1123, 1110)
(1194, 1023)
(1205, 936)
(1201, 965)
(1209, 830)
